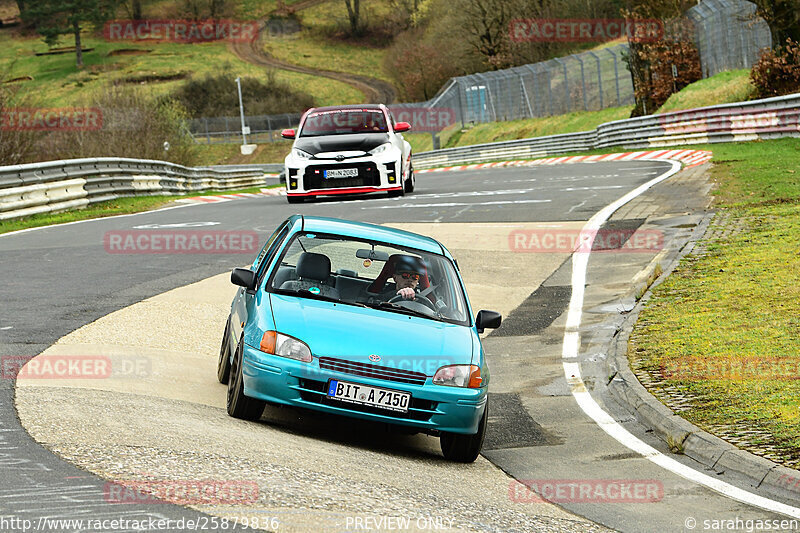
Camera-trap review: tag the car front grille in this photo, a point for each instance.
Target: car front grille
(372, 371)
(316, 392)
(368, 176)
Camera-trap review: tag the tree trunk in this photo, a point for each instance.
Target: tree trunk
(353, 15)
(78, 48)
(136, 10)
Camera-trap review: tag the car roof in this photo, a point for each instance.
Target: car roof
(351, 228)
(371, 107)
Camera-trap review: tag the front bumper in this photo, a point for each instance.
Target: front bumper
(306, 177)
(433, 408)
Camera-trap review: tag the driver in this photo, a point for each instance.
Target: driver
(407, 272)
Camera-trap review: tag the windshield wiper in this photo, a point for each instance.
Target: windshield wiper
(407, 311)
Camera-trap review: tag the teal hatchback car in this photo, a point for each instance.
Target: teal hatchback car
(359, 320)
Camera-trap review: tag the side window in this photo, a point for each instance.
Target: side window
(269, 249)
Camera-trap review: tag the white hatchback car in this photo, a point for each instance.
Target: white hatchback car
(352, 149)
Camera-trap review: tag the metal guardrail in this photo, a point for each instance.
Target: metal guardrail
(745, 121)
(75, 183)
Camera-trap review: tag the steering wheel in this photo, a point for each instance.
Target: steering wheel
(416, 299)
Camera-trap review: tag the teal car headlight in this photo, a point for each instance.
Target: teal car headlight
(276, 343)
(459, 376)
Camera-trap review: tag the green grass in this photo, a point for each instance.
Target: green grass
(536, 127)
(726, 324)
(120, 206)
(725, 87)
(58, 82)
(309, 48)
(229, 154)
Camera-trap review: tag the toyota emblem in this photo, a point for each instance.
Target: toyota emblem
(374, 358)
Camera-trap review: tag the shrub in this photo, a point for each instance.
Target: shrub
(418, 68)
(134, 125)
(777, 72)
(16, 146)
(217, 96)
(651, 65)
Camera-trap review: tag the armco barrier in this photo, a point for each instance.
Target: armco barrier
(745, 121)
(74, 183)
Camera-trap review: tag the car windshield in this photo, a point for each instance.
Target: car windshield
(369, 274)
(344, 121)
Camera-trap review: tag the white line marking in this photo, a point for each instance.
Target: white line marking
(596, 188)
(473, 193)
(572, 372)
(6, 327)
(96, 219)
(458, 204)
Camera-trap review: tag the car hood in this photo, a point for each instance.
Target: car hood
(355, 333)
(341, 143)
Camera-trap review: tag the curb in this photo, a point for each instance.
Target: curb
(690, 158)
(678, 433)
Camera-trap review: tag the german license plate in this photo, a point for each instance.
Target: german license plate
(342, 173)
(365, 395)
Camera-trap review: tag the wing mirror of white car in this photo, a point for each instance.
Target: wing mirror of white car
(487, 319)
(288, 134)
(400, 127)
(244, 277)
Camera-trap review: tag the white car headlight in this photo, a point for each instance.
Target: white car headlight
(459, 376)
(298, 153)
(381, 148)
(285, 346)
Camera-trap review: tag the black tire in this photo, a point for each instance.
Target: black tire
(465, 448)
(224, 363)
(295, 199)
(239, 405)
(409, 186)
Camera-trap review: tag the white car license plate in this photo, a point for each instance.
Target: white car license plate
(342, 173)
(365, 395)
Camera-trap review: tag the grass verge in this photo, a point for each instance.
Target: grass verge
(120, 206)
(536, 127)
(722, 333)
(724, 88)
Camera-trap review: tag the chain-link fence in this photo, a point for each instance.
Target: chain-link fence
(224, 130)
(728, 34)
(589, 81)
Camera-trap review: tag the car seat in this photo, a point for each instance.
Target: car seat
(313, 271)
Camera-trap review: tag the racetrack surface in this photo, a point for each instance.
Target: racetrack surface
(61, 279)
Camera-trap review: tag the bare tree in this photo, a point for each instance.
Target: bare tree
(354, 15)
(486, 23)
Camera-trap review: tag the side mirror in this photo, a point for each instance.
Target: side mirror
(288, 134)
(487, 319)
(244, 277)
(400, 127)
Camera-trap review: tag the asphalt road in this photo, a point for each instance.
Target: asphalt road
(58, 279)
